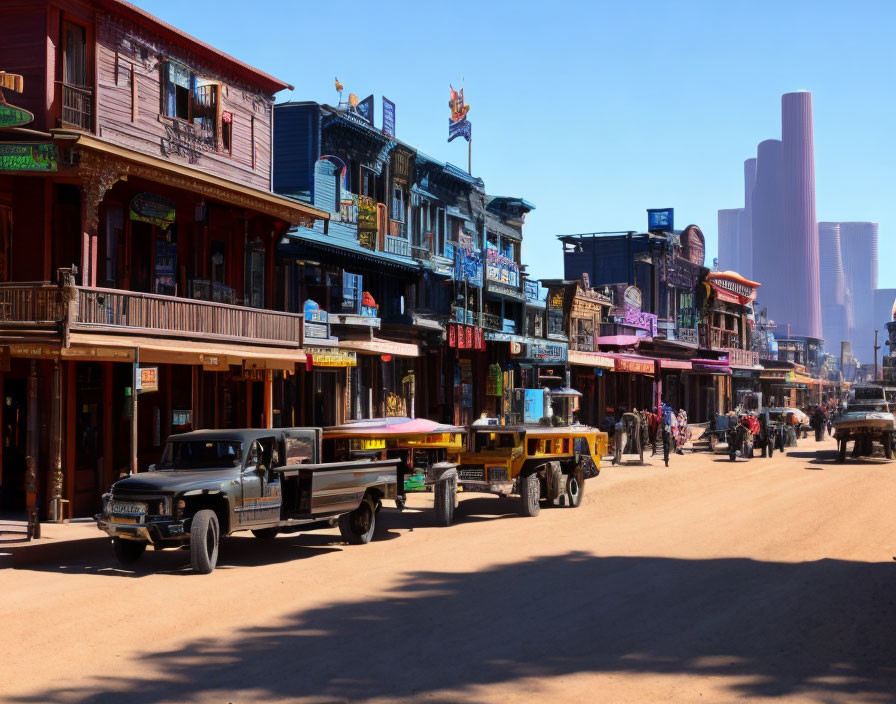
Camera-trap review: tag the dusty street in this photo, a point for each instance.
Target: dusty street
(711, 581)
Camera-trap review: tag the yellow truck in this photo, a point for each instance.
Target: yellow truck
(536, 463)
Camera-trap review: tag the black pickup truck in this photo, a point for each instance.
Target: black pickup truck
(211, 483)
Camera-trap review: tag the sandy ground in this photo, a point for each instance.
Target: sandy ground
(762, 580)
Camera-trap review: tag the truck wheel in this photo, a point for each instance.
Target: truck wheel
(265, 533)
(204, 538)
(841, 450)
(357, 527)
(443, 501)
(529, 496)
(575, 488)
(127, 552)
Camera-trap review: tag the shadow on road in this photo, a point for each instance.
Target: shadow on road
(816, 629)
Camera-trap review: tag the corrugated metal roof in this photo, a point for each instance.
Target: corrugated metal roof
(341, 244)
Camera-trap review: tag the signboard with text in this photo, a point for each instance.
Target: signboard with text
(28, 156)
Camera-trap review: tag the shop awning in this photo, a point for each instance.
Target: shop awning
(621, 340)
(210, 354)
(632, 364)
(591, 359)
(378, 346)
(675, 364)
(710, 366)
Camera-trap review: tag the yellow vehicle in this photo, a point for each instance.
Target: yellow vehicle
(534, 462)
(428, 452)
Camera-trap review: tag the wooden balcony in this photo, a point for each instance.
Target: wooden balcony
(77, 106)
(397, 245)
(741, 358)
(48, 307)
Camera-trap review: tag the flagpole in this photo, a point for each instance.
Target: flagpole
(470, 156)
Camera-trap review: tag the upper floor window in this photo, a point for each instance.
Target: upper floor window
(75, 56)
(398, 204)
(188, 97)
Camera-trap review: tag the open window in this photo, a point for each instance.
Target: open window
(195, 100)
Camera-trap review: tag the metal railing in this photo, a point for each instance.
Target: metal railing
(105, 309)
(77, 106)
(482, 320)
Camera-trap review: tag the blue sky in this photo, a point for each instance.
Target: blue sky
(596, 111)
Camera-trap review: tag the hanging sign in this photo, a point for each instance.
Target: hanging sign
(466, 337)
(28, 156)
(11, 116)
(330, 357)
(632, 297)
(148, 379)
(634, 366)
(152, 208)
(550, 352)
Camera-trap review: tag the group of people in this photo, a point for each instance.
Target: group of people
(822, 417)
(634, 430)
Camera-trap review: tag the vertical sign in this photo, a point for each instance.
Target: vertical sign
(388, 117)
(365, 109)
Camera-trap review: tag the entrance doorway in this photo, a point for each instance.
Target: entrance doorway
(141, 256)
(327, 397)
(12, 487)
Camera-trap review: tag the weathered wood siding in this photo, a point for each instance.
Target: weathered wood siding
(23, 50)
(130, 62)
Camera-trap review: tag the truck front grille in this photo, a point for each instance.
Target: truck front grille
(497, 474)
(471, 474)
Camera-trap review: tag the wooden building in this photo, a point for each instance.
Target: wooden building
(137, 241)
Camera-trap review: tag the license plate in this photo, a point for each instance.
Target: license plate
(122, 509)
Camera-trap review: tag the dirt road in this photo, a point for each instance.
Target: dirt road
(767, 580)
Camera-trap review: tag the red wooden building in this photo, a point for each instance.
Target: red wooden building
(137, 230)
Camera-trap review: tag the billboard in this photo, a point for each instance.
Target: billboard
(660, 219)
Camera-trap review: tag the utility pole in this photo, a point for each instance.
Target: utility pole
(876, 348)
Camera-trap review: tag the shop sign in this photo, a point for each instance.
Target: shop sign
(660, 219)
(466, 337)
(250, 374)
(632, 297)
(367, 229)
(11, 116)
(550, 352)
(494, 385)
(214, 362)
(152, 208)
(635, 366)
(644, 321)
(148, 379)
(28, 156)
(388, 117)
(324, 357)
(530, 290)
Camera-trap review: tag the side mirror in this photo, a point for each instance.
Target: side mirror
(151, 468)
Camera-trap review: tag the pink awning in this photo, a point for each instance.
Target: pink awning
(675, 364)
(620, 340)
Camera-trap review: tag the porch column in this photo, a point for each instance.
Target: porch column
(268, 420)
(32, 443)
(56, 478)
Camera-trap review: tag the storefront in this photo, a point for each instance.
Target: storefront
(589, 372)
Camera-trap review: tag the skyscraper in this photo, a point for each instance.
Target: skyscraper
(832, 285)
(777, 232)
(729, 238)
(858, 249)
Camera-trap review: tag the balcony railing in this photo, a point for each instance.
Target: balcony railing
(688, 335)
(77, 106)
(743, 358)
(108, 310)
(482, 320)
(397, 245)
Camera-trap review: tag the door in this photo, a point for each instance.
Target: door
(260, 487)
(141, 256)
(12, 485)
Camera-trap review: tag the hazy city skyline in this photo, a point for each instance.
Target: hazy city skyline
(664, 126)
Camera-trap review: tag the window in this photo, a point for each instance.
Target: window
(255, 274)
(227, 131)
(398, 204)
(351, 292)
(75, 57)
(187, 97)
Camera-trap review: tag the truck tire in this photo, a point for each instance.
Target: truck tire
(444, 495)
(357, 527)
(204, 539)
(529, 496)
(841, 450)
(575, 489)
(127, 552)
(265, 533)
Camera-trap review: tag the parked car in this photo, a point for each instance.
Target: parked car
(866, 419)
(212, 483)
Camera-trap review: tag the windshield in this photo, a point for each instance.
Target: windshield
(490, 441)
(202, 454)
(868, 393)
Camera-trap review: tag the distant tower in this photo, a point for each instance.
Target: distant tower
(729, 239)
(801, 235)
(745, 240)
(768, 264)
(833, 284)
(858, 247)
